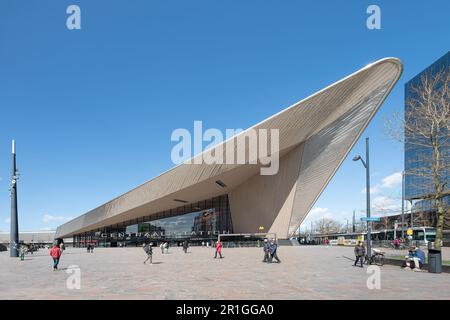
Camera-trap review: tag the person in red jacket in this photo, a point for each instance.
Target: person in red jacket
(55, 253)
(218, 249)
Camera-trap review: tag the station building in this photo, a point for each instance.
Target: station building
(200, 201)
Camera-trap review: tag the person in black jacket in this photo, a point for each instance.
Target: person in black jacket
(273, 251)
(149, 251)
(266, 249)
(185, 246)
(360, 252)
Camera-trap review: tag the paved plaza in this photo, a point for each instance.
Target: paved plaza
(306, 272)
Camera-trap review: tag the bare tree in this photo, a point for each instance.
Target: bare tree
(424, 129)
(327, 226)
(360, 227)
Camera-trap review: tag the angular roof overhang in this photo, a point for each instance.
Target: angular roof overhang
(296, 124)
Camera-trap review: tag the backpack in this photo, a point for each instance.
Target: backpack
(148, 249)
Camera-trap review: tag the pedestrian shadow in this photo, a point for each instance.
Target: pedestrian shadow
(47, 255)
(345, 257)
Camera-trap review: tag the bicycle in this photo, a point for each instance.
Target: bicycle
(377, 258)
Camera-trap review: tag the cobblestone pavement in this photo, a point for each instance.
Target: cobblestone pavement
(119, 273)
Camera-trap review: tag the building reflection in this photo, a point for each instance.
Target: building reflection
(198, 222)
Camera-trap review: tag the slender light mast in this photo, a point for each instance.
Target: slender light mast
(14, 232)
(369, 223)
(354, 226)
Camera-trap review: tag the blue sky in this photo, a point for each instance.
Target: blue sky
(93, 110)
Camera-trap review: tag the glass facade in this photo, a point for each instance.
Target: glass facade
(197, 222)
(419, 184)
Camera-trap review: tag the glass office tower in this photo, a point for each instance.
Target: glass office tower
(419, 188)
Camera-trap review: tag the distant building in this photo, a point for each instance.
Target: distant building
(43, 237)
(419, 189)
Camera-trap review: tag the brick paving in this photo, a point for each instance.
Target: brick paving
(305, 273)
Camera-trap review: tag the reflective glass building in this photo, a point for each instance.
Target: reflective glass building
(419, 188)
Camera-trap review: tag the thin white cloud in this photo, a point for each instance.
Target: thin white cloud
(384, 203)
(373, 190)
(46, 229)
(392, 180)
(318, 212)
(7, 220)
(46, 218)
(388, 182)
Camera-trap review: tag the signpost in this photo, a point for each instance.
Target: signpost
(409, 232)
(371, 219)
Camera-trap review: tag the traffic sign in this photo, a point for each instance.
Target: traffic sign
(376, 219)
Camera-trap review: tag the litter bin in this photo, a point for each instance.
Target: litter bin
(434, 261)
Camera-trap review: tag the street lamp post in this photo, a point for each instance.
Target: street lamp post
(14, 231)
(369, 223)
(403, 205)
(353, 224)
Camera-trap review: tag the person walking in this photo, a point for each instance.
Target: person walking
(273, 251)
(185, 246)
(162, 247)
(266, 249)
(360, 253)
(218, 249)
(55, 253)
(149, 251)
(22, 252)
(166, 246)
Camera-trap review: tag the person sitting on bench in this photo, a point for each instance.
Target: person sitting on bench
(415, 259)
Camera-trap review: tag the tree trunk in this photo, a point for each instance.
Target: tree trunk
(437, 195)
(439, 224)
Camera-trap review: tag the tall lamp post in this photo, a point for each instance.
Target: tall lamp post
(403, 204)
(14, 231)
(353, 224)
(369, 224)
